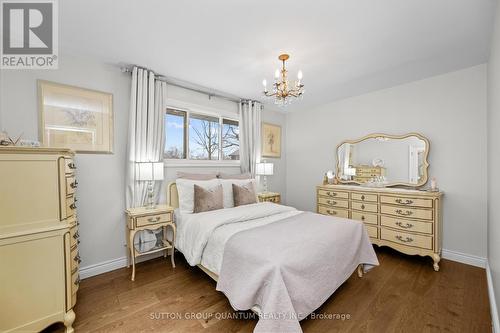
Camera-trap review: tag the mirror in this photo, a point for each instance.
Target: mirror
(381, 160)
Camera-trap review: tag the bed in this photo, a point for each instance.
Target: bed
(278, 261)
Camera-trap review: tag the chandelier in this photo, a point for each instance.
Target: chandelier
(282, 92)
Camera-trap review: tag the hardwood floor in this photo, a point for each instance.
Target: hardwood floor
(403, 294)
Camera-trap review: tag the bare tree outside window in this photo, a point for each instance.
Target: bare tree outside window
(230, 140)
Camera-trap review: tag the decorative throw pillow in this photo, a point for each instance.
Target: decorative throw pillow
(207, 199)
(196, 176)
(185, 188)
(244, 195)
(227, 189)
(235, 176)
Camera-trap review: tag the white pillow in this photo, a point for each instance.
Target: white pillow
(227, 189)
(185, 188)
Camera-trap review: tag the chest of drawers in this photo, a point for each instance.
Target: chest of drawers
(39, 278)
(409, 221)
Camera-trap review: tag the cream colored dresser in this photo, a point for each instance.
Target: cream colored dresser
(38, 239)
(409, 221)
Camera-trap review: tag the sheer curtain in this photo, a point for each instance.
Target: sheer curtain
(250, 125)
(146, 138)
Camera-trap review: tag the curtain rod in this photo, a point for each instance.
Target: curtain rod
(128, 69)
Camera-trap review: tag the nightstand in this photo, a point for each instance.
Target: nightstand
(142, 218)
(269, 197)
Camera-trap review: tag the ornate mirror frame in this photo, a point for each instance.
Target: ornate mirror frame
(389, 136)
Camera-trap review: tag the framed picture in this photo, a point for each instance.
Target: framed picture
(271, 140)
(76, 118)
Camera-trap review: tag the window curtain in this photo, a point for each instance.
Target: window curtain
(146, 138)
(250, 125)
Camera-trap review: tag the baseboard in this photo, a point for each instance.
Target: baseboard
(493, 302)
(464, 258)
(111, 265)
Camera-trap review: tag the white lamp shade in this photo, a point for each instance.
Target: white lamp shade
(265, 169)
(150, 171)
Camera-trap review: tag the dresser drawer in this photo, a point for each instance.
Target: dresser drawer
(73, 233)
(75, 282)
(70, 206)
(75, 259)
(404, 238)
(333, 202)
(69, 165)
(365, 217)
(372, 231)
(406, 201)
(333, 194)
(366, 207)
(333, 212)
(153, 219)
(71, 184)
(364, 197)
(407, 225)
(414, 213)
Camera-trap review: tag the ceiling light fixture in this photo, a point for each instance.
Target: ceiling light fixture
(282, 92)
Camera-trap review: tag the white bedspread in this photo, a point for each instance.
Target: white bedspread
(203, 235)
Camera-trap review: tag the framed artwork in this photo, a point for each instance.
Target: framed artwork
(271, 140)
(76, 118)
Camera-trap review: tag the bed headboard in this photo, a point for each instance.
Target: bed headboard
(172, 195)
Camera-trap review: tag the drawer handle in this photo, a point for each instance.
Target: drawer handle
(77, 258)
(362, 206)
(72, 206)
(331, 212)
(407, 226)
(362, 217)
(76, 235)
(405, 202)
(362, 197)
(332, 194)
(405, 213)
(74, 184)
(331, 202)
(404, 240)
(154, 219)
(72, 166)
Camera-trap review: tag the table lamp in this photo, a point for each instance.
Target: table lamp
(150, 172)
(264, 169)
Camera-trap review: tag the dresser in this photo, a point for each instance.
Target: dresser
(38, 239)
(409, 221)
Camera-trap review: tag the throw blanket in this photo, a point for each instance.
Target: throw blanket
(290, 267)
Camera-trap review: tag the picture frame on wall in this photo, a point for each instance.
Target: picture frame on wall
(76, 118)
(271, 140)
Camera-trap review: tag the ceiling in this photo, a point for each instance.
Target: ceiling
(344, 48)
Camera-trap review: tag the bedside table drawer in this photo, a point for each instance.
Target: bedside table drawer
(153, 219)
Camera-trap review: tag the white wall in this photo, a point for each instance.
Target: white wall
(450, 110)
(494, 157)
(101, 192)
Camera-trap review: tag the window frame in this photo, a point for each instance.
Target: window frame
(187, 161)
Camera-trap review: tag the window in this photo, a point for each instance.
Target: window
(197, 136)
(230, 140)
(175, 125)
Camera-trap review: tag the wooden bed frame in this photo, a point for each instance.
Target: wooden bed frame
(173, 201)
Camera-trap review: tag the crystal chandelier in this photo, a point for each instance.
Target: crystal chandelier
(282, 92)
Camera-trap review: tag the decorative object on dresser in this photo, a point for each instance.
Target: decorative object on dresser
(76, 118)
(150, 172)
(271, 140)
(404, 159)
(38, 246)
(145, 218)
(264, 169)
(269, 197)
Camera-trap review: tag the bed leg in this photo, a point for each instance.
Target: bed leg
(360, 270)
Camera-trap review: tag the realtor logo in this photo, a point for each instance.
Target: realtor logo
(29, 34)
